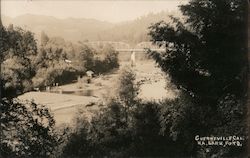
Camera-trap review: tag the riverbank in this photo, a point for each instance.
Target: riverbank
(86, 98)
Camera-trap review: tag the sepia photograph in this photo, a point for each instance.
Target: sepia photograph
(124, 78)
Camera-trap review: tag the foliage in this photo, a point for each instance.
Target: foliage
(110, 58)
(51, 67)
(178, 119)
(61, 62)
(77, 143)
(56, 61)
(20, 42)
(207, 61)
(109, 134)
(17, 57)
(98, 60)
(127, 89)
(44, 38)
(16, 76)
(109, 131)
(137, 131)
(133, 32)
(85, 59)
(27, 130)
(146, 136)
(58, 74)
(4, 41)
(204, 56)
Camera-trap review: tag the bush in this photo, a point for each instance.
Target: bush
(16, 76)
(61, 74)
(147, 141)
(127, 127)
(178, 119)
(16, 60)
(105, 135)
(106, 60)
(52, 68)
(127, 89)
(27, 130)
(110, 131)
(110, 134)
(124, 127)
(111, 58)
(77, 143)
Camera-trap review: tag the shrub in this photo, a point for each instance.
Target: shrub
(111, 58)
(110, 131)
(15, 75)
(77, 143)
(106, 60)
(127, 89)
(16, 58)
(27, 130)
(147, 141)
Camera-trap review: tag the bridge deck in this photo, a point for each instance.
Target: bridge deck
(139, 50)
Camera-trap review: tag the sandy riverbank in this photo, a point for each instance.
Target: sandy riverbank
(65, 106)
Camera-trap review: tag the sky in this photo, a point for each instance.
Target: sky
(105, 10)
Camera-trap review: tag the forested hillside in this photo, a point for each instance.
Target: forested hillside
(73, 29)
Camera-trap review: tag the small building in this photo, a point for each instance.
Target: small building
(89, 74)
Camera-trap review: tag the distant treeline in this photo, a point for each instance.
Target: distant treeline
(72, 29)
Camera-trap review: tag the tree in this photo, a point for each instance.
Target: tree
(88, 57)
(51, 66)
(44, 38)
(27, 130)
(77, 143)
(204, 51)
(17, 56)
(206, 58)
(110, 130)
(3, 48)
(16, 76)
(84, 59)
(111, 57)
(127, 90)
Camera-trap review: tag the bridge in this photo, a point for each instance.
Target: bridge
(122, 46)
(140, 54)
(139, 50)
(126, 49)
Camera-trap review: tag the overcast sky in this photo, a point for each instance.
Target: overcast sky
(112, 11)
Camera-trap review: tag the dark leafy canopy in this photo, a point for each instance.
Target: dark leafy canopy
(27, 130)
(18, 51)
(206, 55)
(19, 41)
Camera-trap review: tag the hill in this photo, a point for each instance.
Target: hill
(81, 29)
